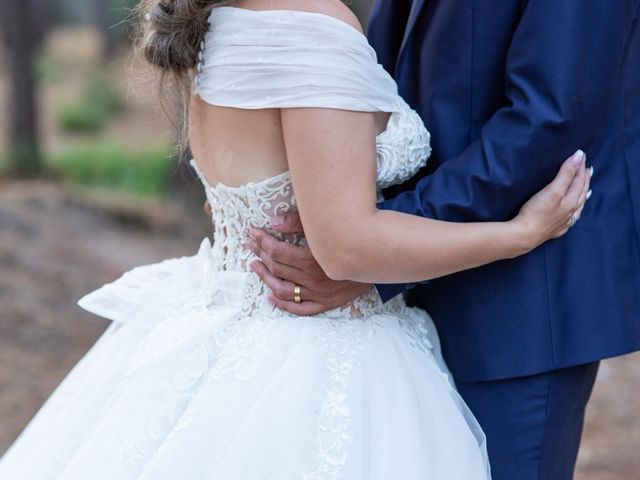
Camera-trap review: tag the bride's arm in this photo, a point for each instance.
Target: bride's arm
(332, 156)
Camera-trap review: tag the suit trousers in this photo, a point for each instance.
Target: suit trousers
(533, 424)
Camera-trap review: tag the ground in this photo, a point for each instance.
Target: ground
(56, 246)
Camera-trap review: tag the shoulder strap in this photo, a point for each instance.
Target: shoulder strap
(287, 59)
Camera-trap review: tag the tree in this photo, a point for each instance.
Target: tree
(25, 24)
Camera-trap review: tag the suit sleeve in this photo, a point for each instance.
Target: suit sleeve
(561, 74)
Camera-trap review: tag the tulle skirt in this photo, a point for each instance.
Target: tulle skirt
(186, 384)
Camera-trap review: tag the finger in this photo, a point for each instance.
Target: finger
(282, 252)
(282, 289)
(304, 309)
(584, 193)
(583, 201)
(207, 208)
(280, 270)
(574, 192)
(568, 172)
(578, 213)
(562, 233)
(288, 223)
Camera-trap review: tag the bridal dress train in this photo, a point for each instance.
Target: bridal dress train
(199, 377)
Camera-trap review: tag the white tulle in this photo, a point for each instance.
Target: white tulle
(201, 377)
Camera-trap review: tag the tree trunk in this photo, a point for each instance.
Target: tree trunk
(24, 152)
(24, 23)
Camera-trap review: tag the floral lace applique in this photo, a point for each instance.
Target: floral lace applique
(344, 342)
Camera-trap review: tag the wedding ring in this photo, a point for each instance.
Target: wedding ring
(297, 293)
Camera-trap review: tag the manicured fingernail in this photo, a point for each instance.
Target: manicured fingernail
(589, 194)
(578, 157)
(277, 221)
(591, 170)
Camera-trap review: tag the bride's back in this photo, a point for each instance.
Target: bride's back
(236, 146)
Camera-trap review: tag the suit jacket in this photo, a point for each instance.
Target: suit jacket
(509, 89)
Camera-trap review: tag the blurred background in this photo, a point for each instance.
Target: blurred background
(90, 187)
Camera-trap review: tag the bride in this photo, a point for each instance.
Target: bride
(200, 376)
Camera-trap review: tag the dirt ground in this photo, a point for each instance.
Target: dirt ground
(55, 246)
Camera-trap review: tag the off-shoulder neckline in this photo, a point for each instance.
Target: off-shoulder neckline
(323, 16)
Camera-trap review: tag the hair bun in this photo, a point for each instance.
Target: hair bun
(173, 31)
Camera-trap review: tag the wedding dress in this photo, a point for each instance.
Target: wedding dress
(200, 377)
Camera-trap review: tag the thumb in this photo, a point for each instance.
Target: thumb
(288, 223)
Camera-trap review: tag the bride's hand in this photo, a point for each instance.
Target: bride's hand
(556, 208)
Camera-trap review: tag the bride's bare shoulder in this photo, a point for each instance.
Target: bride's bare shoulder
(332, 8)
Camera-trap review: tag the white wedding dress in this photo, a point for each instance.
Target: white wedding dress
(199, 377)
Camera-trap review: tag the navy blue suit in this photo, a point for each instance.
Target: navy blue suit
(509, 89)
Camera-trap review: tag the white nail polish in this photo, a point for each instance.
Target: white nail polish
(578, 158)
(591, 170)
(589, 194)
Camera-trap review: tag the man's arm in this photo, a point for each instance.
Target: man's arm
(561, 73)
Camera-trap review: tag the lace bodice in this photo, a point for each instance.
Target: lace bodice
(402, 149)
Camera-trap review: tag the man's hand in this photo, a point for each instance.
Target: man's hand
(283, 266)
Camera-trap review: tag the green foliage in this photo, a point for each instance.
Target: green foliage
(47, 69)
(25, 160)
(144, 172)
(82, 117)
(4, 163)
(101, 102)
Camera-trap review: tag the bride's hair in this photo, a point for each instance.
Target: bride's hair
(172, 31)
(169, 38)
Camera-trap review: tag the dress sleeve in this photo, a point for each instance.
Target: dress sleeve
(287, 59)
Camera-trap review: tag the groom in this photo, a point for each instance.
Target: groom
(509, 89)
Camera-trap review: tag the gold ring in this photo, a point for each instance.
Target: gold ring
(297, 293)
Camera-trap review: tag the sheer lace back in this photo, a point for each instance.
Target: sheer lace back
(236, 210)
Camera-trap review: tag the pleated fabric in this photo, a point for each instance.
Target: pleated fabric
(288, 59)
